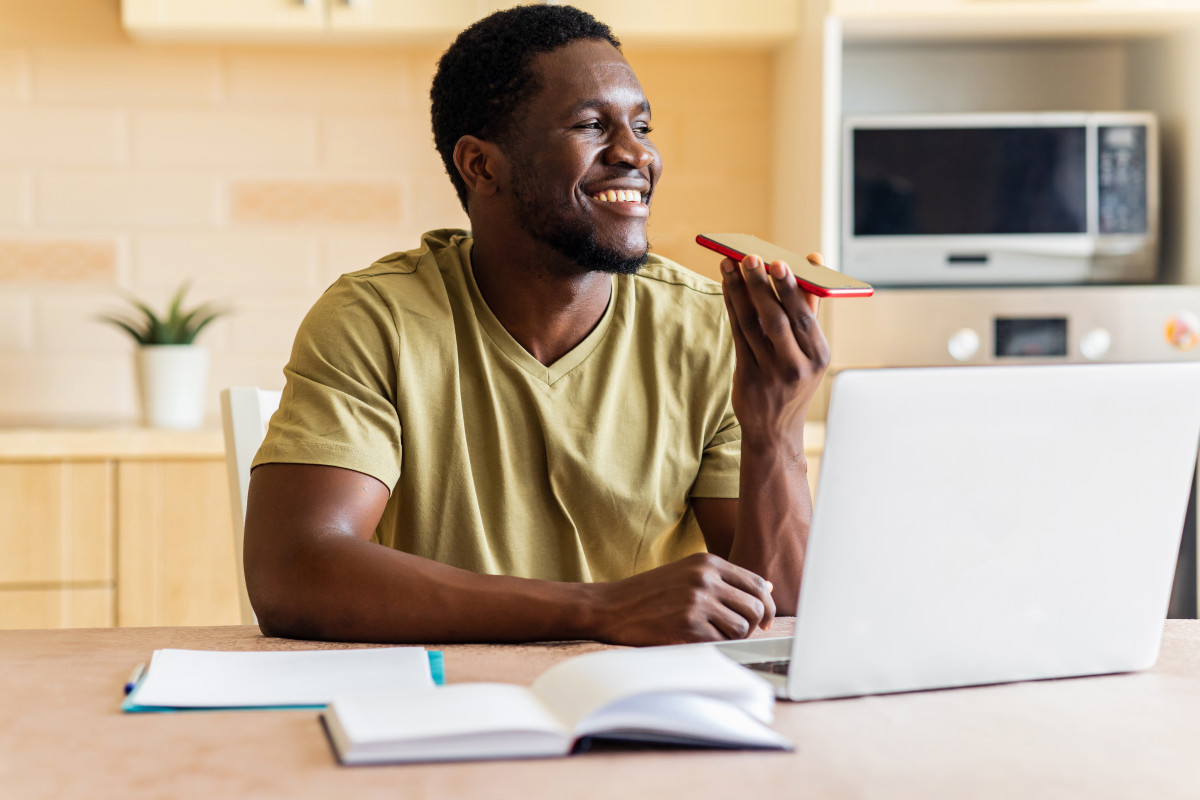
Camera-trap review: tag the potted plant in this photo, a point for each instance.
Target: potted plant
(172, 370)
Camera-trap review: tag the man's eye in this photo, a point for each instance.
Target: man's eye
(643, 130)
(593, 125)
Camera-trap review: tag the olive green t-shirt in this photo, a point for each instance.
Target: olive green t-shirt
(577, 471)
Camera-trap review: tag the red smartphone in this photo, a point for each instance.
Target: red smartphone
(815, 278)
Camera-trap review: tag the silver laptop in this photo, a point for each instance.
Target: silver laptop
(979, 525)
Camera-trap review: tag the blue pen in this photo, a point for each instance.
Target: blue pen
(134, 677)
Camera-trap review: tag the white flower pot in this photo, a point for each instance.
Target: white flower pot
(172, 379)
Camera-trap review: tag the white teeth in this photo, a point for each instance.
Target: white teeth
(618, 196)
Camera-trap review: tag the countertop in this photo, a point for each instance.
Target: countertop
(115, 442)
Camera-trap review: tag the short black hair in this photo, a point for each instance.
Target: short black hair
(485, 75)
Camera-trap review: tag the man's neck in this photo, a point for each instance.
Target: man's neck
(547, 304)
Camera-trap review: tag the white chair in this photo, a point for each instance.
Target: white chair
(245, 412)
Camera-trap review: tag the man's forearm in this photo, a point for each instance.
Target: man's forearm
(774, 513)
(348, 589)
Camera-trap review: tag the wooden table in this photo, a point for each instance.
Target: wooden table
(1128, 736)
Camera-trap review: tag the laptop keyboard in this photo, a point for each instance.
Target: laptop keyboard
(773, 667)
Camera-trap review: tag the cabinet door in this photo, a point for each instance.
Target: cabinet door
(405, 16)
(56, 544)
(225, 15)
(56, 608)
(175, 544)
(698, 21)
(56, 523)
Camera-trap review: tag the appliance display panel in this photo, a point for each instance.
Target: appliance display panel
(972, 181)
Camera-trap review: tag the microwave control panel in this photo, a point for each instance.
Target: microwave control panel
(1121, 164)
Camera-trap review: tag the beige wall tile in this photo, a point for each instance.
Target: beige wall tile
(399, 140)
(15, 192)
(62, 137)
(238, 369)
(266, 325)
(703, 80)
(67, 323)
(73, 389)
(223, 139)
(152, 199)
(14, 76)
(16, 322)
(319, 202)
(225, 262)
(335, 78)
(108, 75)
(340, 255)
(436, 205)
(50, 260)
(732, 145)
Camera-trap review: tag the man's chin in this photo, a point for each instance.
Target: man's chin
(592, 256)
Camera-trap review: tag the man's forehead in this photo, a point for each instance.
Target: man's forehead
(585, 71)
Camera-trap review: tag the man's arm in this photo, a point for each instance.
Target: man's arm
(313, 573)
(781, 357)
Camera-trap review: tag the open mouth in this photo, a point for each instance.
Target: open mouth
(621, 196)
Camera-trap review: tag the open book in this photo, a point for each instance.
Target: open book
(688, 696)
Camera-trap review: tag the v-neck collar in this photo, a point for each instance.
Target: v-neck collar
(513, 349)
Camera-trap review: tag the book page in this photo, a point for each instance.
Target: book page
(687, 719)
(460, 721)
(212, 679)
(585, 684)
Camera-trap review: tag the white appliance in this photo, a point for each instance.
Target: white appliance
(1000, 198)
(1046, 325)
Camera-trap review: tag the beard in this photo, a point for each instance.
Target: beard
(573, 239)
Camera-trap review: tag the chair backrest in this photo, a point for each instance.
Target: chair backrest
(245, 412)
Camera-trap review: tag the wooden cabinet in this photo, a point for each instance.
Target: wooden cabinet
(301, 19)
(56, 544)
(665, 21)
(102, 528)
(697, 21)
(166, 17)
(175, 545)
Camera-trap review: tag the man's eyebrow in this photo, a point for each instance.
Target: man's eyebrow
(584, 105)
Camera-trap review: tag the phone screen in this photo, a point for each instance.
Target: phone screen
(816, 278)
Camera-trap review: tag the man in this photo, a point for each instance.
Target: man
(528, 432)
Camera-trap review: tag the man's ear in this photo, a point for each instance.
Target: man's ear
(479, 163)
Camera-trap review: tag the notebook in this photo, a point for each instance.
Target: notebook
(978, 525)
(192, 680)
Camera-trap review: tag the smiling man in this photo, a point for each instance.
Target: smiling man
(531, 430)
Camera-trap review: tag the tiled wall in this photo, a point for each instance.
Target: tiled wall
(260, 174)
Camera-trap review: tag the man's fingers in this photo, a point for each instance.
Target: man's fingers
(744, 315)
(800, 307)
(750, 587)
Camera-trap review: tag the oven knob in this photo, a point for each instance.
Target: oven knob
(1182, 331)
(1095, 344)
(963, 344)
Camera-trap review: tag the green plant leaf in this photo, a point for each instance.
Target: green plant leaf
(177, 326)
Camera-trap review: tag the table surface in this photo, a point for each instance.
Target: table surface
(62, 735)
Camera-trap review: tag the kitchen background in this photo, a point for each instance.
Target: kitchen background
(229, 146)
(261, 173)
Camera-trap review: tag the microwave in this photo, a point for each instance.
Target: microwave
(1000, 199)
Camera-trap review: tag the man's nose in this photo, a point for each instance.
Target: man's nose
(627, 148)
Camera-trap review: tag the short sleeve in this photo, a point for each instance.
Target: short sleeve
(721, 462)
(338, 405)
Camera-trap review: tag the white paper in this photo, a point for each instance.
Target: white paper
(583, 685)
(216, 679)
(469, 720)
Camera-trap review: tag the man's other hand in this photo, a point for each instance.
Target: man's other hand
(701, 598)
